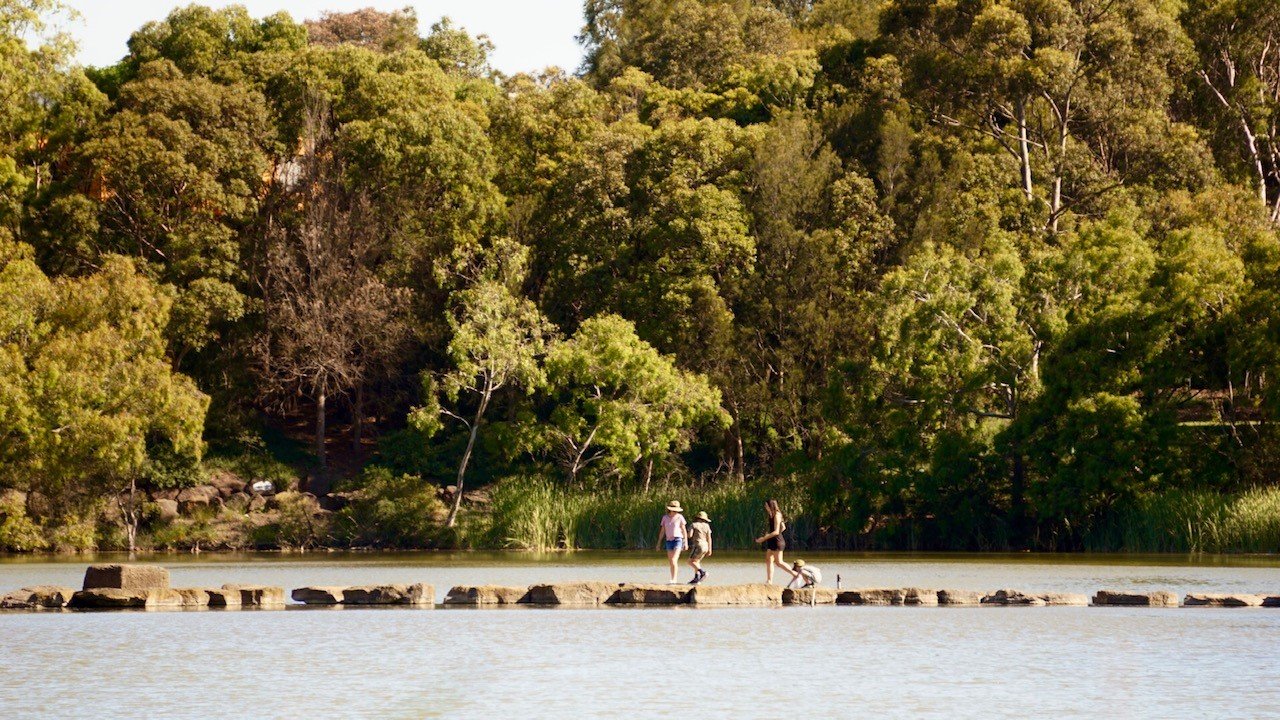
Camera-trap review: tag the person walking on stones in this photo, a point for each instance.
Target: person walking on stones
(773, 543)
(672, 533)
(699, 545)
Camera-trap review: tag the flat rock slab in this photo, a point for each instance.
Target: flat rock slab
(37, 597)
(1223, 600)
(416, 594)
(319, 594)
(485, 595)
(919, 596)
(809, 596)
(872, 596)
(119, 599)
(222, 597)
(1018, 597)
(570, 593)
(754, 594)
(629, 594)
(126, 577)
(193, 597)
(960, 597)
(257, 595)
(1116, 598)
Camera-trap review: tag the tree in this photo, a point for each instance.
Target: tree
(370, 28)
(619, 403)
(498, 340)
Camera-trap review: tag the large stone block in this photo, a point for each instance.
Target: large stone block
(118, 599)
(629, 594)
(919, 596)
(1155, 598)
(809, 596)
(319, 595)
(258, 595)
(1223, 600)
(960, 597)
(193, 597)
(416, 594)
(485, 595)
(37, 597)
(871, 596)
(754, 594)
(571, 593)
(126, 577)
(223, 598)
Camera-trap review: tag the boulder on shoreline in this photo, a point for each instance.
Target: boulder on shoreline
(871, 596)
(809, 596)
(960, 597)
(1223, 600)
(126, 577)
(38, 597)
(632, 594)
(485, 595)
(752, 594)
(1117, 598)
(570, 593)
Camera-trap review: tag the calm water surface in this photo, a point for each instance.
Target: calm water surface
(805, 662)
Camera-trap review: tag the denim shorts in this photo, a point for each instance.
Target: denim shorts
(677, 544)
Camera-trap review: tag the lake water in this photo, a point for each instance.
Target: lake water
(1055, 662)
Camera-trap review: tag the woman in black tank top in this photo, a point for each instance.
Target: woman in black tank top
(773, 543)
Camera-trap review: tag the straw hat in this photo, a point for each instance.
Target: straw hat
(702, 515)
(797, 565)
(674, 506)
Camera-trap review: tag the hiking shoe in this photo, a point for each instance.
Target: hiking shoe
(702, 574)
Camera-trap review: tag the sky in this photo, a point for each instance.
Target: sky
(527, 34)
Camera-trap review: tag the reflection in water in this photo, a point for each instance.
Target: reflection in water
(819, 662)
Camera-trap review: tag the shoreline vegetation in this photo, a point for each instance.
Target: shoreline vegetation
(977, 276)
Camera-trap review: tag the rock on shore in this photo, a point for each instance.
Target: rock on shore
(485, 595)
(1156, 598)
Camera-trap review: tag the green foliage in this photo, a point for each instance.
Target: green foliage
(389, 510)
(18, 532)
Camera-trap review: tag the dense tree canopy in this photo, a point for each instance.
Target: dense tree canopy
(972, 274)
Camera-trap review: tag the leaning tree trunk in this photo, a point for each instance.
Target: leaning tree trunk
(466, 457)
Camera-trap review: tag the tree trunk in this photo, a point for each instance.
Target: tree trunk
(466, 456)
(1024, 150)
(357, 419)
(320, 417)
(648, 474)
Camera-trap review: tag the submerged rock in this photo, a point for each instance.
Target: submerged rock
(809, 596)
(629, 594)
(1156, 598)
(126, 577)
(1223, 600)
(872, 596)
(571, 593)
(485, 595)
(37, 597)
(755, 594)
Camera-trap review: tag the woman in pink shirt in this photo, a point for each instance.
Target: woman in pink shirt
(672, 534)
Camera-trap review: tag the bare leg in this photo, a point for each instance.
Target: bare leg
(777, 559)
(768, 566)
(673, 560)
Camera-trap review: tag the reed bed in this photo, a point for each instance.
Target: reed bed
(1195, 521)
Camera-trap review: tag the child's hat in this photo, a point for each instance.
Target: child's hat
(702, 515)
(797, 565)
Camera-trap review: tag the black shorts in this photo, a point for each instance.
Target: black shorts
(776, 544)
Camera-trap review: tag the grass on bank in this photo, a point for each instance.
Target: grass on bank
(1194, 521)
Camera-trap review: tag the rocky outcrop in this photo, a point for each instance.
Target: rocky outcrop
(960, 597)
(117, 599)
(570, 593)
(416, 594)
(809, 596)
(872, 596)
(919, 596)
(225, 483)
(37, 597)
(319, 595)
(1156, 598)
(628, 594)
(126, 577)
(166, 509)
(755, 594)
(485, 595)
(257, 595)
(1223, 600)
(197, 498)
